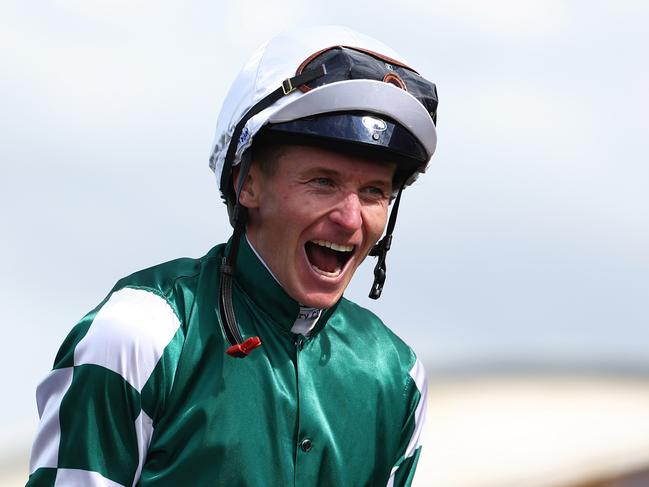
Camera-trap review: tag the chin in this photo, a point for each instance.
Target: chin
(319, 299)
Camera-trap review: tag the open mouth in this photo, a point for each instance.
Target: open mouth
(328, 258)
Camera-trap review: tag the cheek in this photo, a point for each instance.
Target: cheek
(274, 209)
(301, 211)
(375, 221)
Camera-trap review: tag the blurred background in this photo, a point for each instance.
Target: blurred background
(520, 266)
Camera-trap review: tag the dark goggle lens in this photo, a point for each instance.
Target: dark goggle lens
(344, 63)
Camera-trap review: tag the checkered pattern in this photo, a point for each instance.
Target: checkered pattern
(142, 392)
(96, 405)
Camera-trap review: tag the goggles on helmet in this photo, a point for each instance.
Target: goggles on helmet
(347, 63)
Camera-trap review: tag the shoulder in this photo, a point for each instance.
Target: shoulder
(370, 328)
(169, 279)
(385, 357)
(128, 334)
(138, 322)
(378, 340)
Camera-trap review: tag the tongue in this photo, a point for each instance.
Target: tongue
(323, 258)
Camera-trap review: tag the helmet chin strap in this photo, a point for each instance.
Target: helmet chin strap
(239, 347)
(380, 250)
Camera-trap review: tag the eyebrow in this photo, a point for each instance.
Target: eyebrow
(322, 170)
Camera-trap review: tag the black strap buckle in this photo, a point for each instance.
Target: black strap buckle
(287, 86)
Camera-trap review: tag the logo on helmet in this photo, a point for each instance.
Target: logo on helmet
(244, 137)
(373, 124)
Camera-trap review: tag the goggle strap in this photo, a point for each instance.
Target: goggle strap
(380, 250)
(293, 83)
(228, 265)
(288, 86)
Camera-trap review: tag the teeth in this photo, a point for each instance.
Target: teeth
(334, 246)
(335, 273)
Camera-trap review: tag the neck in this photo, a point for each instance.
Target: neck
(307, 317)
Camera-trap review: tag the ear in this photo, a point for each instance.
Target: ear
(249, 195)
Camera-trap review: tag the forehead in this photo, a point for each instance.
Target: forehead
(300, 159)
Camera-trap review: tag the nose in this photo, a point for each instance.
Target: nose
(347, 214)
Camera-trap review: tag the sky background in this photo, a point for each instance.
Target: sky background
(527, 242)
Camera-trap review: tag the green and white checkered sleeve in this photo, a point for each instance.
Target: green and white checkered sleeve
(404, 469)
(99, 404)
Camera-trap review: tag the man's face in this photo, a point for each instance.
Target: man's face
(315, 219)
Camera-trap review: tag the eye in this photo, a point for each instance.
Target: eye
(375, 192)
(322, 182)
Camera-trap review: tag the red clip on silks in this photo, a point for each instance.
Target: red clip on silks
(241, 350)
